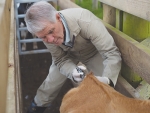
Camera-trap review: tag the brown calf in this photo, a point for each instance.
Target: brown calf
(92, 96)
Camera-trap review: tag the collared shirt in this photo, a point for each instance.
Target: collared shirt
(67, 41)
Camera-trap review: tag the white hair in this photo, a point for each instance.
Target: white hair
(38, 15)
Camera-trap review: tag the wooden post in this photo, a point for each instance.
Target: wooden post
(109, 14)
(11, 87)
(119, 19)
(101, 5)
(95, 4)
(5, 9)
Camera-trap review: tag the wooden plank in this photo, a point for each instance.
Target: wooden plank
(95, 4)
(109, 14)
(134, 54)
(11, 97)
(5, 6)
(126, 89)
(139, 8)
(144, 88)
(119, 19)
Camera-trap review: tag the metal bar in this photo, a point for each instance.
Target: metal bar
(30, 40)
(28, 1)
(18, 29)
(17, 26)
(22, 28)
(21, 16)
(34, 51)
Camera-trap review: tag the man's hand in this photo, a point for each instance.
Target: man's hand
(78, 73)
(103, 79)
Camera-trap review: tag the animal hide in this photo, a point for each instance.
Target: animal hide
(93, 96)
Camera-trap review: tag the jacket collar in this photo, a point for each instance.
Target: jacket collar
(73, 26)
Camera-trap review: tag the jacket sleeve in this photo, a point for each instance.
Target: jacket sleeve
(103, 41)
(61, 59)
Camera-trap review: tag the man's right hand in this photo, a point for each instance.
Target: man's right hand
(78, 73)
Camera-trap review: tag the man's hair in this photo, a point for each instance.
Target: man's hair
(38, 15)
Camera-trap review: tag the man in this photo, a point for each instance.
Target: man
(72, 36)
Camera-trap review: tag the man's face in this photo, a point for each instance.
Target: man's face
(53, 33)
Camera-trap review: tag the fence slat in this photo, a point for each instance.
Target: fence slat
(5, 12)
(109, 14)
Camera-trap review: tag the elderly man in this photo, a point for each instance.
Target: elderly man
(73, 35)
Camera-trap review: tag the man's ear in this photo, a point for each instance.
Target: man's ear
(58, 17)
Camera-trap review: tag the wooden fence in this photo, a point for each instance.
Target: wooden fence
(134, 16)
(7, 78)
(135, 51)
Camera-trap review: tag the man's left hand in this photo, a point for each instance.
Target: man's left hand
(103, 79)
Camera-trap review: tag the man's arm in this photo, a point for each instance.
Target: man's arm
(103, 41)
(61, 60)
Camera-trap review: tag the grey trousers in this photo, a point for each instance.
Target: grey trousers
(50, 88)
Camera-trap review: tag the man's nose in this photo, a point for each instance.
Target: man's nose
(50, 38)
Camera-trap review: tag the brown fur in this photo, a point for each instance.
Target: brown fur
(92, 96)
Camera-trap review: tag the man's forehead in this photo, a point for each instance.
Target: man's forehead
(45, 31)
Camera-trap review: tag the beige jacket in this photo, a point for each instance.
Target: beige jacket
(90, 37)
